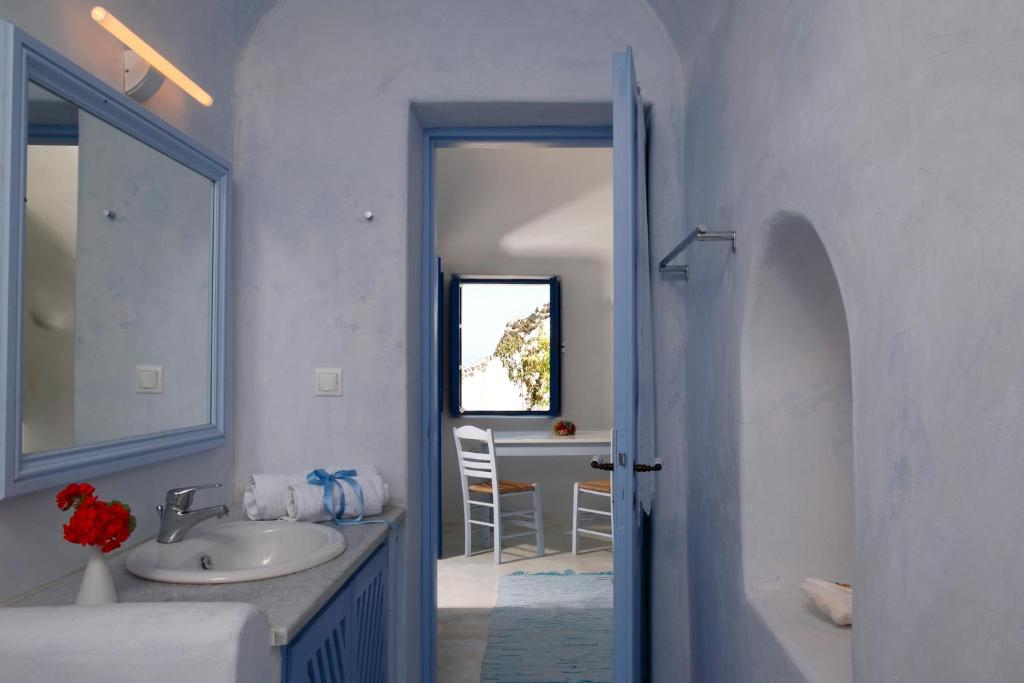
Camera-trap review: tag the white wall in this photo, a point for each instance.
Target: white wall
(796, 442)
(323, 133)
(203, 39)
(796, 414)
(142, 294)
(527, 210)
(893, 126)
(895, 129)
(48, 365)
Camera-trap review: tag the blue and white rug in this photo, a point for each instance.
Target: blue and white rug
(550, 628)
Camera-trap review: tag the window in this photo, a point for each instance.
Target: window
(506, 342)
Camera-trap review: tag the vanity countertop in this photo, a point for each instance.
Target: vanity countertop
(289, 602)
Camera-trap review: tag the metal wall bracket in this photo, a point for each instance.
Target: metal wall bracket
(141, 81)
(701, 234)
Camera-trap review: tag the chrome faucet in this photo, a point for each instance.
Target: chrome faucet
(177, 515)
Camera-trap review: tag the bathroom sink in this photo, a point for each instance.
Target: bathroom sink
(229, 552)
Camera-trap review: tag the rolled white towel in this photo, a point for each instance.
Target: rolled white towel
(266, 495)
(305, 501)
(835, 600)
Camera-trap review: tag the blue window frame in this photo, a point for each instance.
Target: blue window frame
(52, 135)
(505, 345)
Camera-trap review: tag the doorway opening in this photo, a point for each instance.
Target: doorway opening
(522, 223)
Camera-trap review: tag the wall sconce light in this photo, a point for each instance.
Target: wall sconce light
(144, 67)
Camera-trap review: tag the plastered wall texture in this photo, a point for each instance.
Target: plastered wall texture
(51, 224)
(324, 132)
(895, 129)
(142, 291)
(796, 411)
(203, 39)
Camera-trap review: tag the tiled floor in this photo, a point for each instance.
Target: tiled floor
(467, 588)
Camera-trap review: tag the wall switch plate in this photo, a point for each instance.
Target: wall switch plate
(149, 379)
(327, 382)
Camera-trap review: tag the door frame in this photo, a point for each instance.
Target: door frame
(430, 335)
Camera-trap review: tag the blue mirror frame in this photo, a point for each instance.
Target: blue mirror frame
(22, 58)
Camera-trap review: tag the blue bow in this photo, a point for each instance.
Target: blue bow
(319, 477)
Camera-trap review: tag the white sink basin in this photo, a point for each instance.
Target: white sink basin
(229, 552)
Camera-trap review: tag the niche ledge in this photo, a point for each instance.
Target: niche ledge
(820, 650)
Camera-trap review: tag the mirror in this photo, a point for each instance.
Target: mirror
(505, 343)
(114, 295)
(117, 278)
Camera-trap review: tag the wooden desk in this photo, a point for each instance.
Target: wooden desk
(592, 443)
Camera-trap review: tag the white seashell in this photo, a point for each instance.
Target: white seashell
(835, 601)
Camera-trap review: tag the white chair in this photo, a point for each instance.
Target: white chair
(483, 467)
(601, 488)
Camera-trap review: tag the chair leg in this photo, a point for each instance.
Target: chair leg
(497, 538)
(575, 517)
(538, 519)
(611, 519)
(468, 530)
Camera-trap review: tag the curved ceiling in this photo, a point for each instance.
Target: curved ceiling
(688, 23)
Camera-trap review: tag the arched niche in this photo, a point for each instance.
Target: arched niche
(796, 396)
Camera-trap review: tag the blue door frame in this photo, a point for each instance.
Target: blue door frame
(430, 418)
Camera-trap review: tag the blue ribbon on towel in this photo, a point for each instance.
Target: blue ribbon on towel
(320, 477)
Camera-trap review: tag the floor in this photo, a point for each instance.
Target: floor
(467, 589)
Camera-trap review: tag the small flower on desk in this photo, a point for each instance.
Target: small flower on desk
(565, 428)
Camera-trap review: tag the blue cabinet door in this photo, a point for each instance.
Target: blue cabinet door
(368, 589)
(346, 642)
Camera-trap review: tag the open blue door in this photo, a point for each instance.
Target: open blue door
(630, 519)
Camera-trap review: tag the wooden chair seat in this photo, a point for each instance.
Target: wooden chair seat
(598, 486)
(504, 486)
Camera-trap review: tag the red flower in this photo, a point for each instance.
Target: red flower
(73, 493)
(565, 428)
(95, 522)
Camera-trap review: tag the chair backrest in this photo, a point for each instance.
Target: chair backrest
(480, 465)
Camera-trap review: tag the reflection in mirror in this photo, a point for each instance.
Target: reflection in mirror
(117, 284)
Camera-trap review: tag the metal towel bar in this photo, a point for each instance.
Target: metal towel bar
(701, 234)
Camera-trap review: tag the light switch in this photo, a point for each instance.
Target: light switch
(149, 379)
(328, 382)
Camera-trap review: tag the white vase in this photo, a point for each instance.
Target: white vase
(97, 584)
